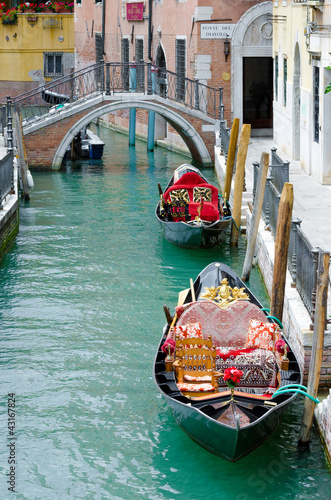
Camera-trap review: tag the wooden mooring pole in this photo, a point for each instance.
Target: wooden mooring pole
(231, 159)
(239, 182)
(261, 182)
(317, 349)
(281, 250)
(22, 165)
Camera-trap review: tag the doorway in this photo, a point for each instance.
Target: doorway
(257, 91)
(160, 62)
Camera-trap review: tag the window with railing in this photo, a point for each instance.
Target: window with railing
(53, 64)
(316, 75)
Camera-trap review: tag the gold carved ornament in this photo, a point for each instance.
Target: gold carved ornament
(224, 295)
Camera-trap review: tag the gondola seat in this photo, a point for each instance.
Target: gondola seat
(195, 366)
(190, 188)
(229, 329)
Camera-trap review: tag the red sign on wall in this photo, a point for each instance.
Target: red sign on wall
(135, 11)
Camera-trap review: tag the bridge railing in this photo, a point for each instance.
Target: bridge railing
(51, 97)
(111, 78)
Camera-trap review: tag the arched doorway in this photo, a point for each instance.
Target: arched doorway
(296, 103)
(251, 57)
(160, 61)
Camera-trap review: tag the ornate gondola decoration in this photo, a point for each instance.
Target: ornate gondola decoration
(190, 211)
(223, 366)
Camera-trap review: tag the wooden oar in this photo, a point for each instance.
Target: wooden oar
(182, 296)
(192, 290)
(181, 299)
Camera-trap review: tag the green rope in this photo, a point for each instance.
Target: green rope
(235, 225)
(277, 321)
(298, 391)
(291, 386)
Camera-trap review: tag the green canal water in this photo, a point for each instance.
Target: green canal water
(81, 303)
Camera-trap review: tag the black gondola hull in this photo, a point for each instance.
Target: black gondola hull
(198, 417)
(193, 234)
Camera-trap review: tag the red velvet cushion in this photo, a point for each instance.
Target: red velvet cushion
(209, 212)
(189, 181)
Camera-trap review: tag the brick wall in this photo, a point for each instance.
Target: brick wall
(15, 88)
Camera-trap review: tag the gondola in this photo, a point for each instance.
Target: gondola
(204, 341)
(54, 98)
(191, 212)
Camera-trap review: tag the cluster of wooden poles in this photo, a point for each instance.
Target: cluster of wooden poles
(280, 260)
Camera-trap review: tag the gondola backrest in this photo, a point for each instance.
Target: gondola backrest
(227, 327)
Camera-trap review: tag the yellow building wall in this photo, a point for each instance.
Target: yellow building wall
(22, 45)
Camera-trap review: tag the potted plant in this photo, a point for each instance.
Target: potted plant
(9, 17)
(69, 7)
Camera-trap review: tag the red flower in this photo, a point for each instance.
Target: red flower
(279, 346)
(232, 376)
(166, 345)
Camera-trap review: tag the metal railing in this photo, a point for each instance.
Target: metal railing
(111, 78)
(6, 163)
(6, 177)
(224, 130)
(302, 256)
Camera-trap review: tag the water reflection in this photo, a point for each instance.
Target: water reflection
(82, 298)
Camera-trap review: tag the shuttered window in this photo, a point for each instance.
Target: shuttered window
(180, 68)
(285, 81)
(98, 47)
(316, 103)
(125, 59)
(276, 78)
(139, 58)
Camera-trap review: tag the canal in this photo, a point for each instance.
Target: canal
(81, 304)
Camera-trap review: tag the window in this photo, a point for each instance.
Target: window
(285, 80)
(53, 64)
(98, 59)
(316, 103)
(276, 78)
(180, 68)
(139, 58)
(125, 66)
(98, 48)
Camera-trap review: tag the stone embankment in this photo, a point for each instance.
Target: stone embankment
(296, 319)
(9, 219)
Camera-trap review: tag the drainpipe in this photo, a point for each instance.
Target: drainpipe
(150, 3)
(103, 26)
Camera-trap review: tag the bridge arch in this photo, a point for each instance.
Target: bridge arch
(185, 129)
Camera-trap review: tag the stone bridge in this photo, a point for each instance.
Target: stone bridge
(189, 106)
(47, 139)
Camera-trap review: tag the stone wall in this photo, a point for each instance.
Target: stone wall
(9, 221)
(323, 421)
